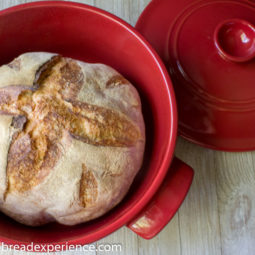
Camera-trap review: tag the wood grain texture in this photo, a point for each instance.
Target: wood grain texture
(218, 215)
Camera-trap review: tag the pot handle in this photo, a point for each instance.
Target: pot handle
(165, 203)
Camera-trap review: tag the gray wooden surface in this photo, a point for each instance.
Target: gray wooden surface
(218, 215)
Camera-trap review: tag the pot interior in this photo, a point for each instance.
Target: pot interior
(84, 33)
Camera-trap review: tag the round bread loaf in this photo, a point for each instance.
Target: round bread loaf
(71, 139)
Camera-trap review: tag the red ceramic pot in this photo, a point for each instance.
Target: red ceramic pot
(89, 34)
(208, 47)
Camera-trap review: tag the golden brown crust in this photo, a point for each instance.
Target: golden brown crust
(88, 188)
(46, 112)
(65, 75)
(45, 70)
(103, 126)
(71, 80)
(25, 162)
(116, 80)
(9, 99)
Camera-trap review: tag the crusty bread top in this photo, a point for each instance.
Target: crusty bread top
(42, 116)
(49, 109)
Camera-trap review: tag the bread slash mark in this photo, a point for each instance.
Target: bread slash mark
(88, 188)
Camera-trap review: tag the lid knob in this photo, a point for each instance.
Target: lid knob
(235, 40)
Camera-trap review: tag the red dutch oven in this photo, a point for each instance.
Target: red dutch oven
(89, 34)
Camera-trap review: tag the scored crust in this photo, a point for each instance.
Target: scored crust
(76, 132)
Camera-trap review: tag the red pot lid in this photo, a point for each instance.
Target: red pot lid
(209, 49)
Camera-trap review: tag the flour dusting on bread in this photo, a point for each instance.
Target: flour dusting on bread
(72, 139)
